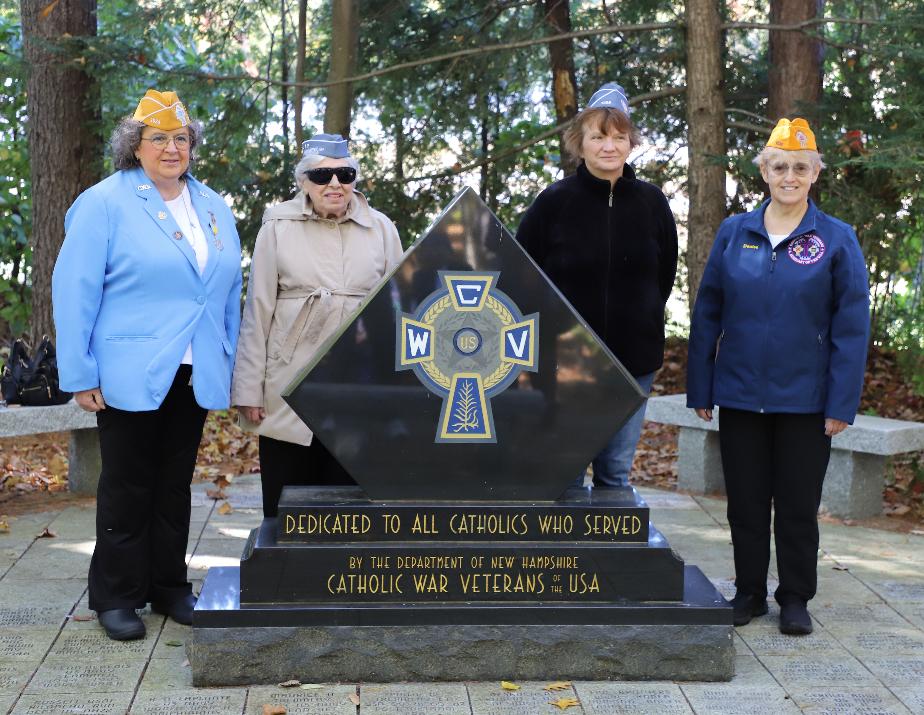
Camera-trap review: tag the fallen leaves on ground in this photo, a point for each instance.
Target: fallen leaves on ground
(47, 534)
(274, 709)
(173, 643)
(354, 698)
(558, 685)
(225, 508)
(4, 525)
(311, 686)
(83, 617)
(565, 703)
(290, 684)
(216, 494)
(509, 686)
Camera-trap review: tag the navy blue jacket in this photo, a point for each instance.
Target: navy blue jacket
(785, 329)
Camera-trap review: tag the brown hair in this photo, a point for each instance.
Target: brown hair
(607, 120)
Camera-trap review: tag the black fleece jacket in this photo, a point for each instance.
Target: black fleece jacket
(612, 255)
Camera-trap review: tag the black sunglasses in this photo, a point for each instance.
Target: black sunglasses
(344, 174)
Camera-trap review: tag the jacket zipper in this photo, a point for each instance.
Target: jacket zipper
(609, 270)
(763, 391)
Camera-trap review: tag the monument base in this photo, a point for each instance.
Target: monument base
(234, 645)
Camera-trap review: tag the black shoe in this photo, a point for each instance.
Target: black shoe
(122, 624)
(746, 606)
(795, 619)
(180, 611)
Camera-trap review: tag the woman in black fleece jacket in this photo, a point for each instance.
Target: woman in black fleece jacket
(608, 241)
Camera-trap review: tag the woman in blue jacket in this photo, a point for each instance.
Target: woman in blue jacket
(146, 294)
(778, 341)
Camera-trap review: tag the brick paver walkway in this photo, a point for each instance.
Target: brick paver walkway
(866, 655)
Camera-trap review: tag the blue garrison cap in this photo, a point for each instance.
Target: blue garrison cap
(332, 145)
(610, 95)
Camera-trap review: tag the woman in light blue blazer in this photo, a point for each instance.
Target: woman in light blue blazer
(146, 294)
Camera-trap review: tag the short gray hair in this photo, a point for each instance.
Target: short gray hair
(768, 151)
(126, 138)
(310, 161)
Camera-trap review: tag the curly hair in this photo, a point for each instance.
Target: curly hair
(126, 138)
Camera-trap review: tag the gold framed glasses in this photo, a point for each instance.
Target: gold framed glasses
(162, 141)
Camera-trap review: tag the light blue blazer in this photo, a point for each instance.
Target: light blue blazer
(128, 297)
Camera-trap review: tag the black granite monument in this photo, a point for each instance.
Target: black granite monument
(465, 397)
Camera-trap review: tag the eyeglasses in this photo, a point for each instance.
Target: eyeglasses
(781, 168)
(161, 141)
(322, 177)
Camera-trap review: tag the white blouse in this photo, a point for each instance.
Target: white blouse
(182, 209)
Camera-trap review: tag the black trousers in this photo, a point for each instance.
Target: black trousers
(286, 463)
(779, 460)
(143, 500)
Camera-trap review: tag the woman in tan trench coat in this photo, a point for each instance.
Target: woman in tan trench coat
(316, 257)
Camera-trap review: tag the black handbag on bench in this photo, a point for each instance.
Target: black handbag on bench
(32, 381)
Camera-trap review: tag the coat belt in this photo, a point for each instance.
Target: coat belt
(314, 326)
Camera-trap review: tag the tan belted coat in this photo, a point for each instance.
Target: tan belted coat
(308, 274)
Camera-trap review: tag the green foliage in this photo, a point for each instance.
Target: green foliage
(423, 133)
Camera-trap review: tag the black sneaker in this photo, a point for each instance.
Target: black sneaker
(795, 619)
(746, 606)
(122, 624)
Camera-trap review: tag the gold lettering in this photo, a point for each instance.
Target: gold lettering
(549, 562)
(494, 524)
(556, 524)
(609, 525)
(360, 583)
(424, 524)
(290, 524)
(580, 583)
(431, 583)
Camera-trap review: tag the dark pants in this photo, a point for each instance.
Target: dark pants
(286, 463)
(143, 500)
(777, 459)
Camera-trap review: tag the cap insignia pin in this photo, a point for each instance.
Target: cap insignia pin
(161, 215)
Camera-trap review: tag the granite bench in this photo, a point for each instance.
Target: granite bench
(83, 459)
(856, 472)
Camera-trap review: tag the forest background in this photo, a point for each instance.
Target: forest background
(439, 94)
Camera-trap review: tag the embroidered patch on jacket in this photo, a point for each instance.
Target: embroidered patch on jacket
(807, 249)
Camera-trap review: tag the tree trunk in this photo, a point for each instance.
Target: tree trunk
(65, 150)
(284, 75)
(795, 61)
(706, 135)
(564, 85)
(344, 51)
(299, 92)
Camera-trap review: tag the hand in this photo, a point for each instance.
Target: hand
(252, 414)
(704, 414)
(90, 400)
(833, 426)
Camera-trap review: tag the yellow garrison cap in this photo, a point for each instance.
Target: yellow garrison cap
(792, 136)
(163, 110)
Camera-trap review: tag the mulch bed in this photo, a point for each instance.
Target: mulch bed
(33, 470)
